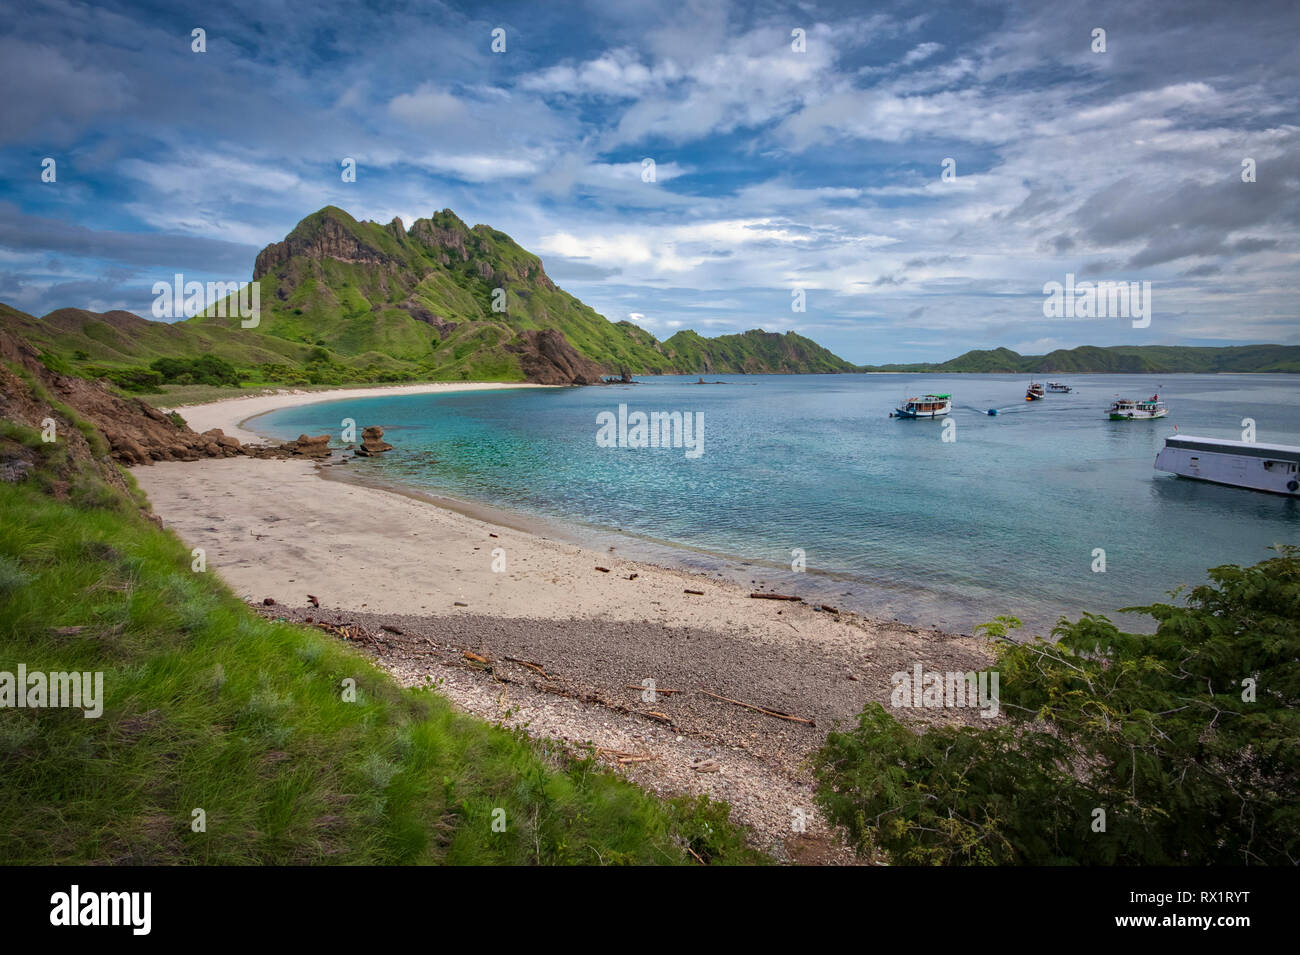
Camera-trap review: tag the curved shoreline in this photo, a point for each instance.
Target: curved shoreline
(889, 606)
(599, 620)
(232, 414)
(239, 489)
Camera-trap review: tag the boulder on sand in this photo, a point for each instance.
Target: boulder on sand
(128, 450)
(307, 446)
(221, 439)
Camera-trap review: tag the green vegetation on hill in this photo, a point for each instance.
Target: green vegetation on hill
(1118, 359)
(207, 370)
(124, 340)
(1177, 748)
(421, 300)
(343, 301)
(754, 352)
(428, 296)
(209, 706)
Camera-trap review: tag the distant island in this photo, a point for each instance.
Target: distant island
(1117, 360)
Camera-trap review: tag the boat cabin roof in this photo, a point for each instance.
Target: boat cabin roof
(1250, 449)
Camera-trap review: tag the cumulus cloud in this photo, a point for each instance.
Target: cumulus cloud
(775, 168)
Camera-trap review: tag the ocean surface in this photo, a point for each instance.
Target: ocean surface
(891, 519)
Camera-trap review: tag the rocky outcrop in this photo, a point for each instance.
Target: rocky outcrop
(325, 238)
(23, 406)
(546, 357)
(444, 233)
(372, 443)
(422, 314)
(309, 447)
(134, 432)
(305, 446)
(36, 400)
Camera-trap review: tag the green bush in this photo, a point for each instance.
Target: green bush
(1177, 748)
(139, 380)
(55, 363)
(204, 370)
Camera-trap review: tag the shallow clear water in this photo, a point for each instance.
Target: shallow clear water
(894, 521)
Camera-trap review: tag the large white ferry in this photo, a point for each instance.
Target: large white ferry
(1260, 467)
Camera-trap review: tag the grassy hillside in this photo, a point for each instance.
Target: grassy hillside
(428, 295)
(423, 297)
(344, 301)
(1120, 359)
(754, 352)
(209, 706)
(124, 339)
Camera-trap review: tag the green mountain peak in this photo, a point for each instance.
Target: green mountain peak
(343, 299)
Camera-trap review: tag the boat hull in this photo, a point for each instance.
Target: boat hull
(901, 413)
(1137, 415)
(1230, 470)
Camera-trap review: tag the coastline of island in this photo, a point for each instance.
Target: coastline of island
(435, 588)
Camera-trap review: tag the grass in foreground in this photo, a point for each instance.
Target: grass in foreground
(208, 706)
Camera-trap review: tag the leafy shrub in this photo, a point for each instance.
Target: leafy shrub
(1187, 741)
(204, 370)
(139, 380)
(55, 363)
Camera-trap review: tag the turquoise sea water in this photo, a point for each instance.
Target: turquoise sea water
(893, 520)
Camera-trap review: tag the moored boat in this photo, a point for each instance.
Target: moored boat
(1035, 392)
(924, 406)
(1260, 467)
(1126, 409)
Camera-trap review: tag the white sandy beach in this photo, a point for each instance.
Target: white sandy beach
(277, 528)
(230, 413)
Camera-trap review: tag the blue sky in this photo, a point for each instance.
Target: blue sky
(775, 169)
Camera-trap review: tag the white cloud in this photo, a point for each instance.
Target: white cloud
(921, 52)
(426, 106)
(616, 74)
(481, 167)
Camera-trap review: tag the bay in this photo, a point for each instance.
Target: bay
(891, 520)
